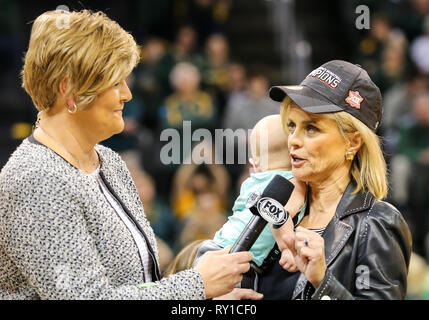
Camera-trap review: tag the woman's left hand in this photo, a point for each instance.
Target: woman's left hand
(309, 254)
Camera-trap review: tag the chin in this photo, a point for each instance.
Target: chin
(118, 126)
(300, 174)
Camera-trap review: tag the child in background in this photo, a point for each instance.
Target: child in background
(270, 157)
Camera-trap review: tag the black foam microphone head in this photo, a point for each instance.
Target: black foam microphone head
(279, 189)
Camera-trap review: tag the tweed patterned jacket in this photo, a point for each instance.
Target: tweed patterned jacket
(61, 239)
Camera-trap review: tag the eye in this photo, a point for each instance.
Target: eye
(291, 126)
(311, 129)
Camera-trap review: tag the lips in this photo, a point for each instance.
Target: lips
(296, 160)
(122, 108)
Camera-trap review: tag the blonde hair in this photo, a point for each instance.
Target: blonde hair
(91, 51)
(368, 169)
(184, 259)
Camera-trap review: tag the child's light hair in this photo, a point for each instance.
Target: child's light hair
(93, 53)
(368, 169)
(268, 144)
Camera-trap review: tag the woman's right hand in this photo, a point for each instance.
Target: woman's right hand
(222, 271)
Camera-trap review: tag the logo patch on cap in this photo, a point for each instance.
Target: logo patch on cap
(354, 99)
(325, 76)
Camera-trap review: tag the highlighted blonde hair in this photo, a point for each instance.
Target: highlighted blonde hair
(368, 169)
(92, 52)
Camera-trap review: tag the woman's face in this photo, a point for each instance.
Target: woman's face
(316, 146)
(104, 118)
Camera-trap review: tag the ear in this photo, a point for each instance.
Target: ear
(355, 142)
(254, 162)
(62, 93)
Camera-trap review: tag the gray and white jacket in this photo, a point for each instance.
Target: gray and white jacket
(61, 239)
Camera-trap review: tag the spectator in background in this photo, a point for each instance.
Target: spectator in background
(393, 61)
(236, 94)
(255, 107)
(187, 102)
(236, 86)
(184, 49)
(371, 46)
(215, 71)
(244, 110)
(207, 16)
(410, 171)
(397, 100)
(420, 47)
(200, 197)
(208, 213)
(418, 278)
(148, 84)
(383, 52)
(192, 179)
(397, 107)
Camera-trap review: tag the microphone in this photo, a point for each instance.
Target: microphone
(267, 206)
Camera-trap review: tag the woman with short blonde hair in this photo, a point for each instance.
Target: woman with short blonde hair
(91, 51)
(350, 244)
(72, 225)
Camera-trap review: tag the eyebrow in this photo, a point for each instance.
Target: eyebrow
(306, 122)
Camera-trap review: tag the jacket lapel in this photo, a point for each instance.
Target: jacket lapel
(337, 231)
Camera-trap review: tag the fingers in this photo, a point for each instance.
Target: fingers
(243, 268)
(241, 257)
(287, 261)
(247, 294)
(289, 242)
(237, 257)
(240, 294)
(219, 252)
(308, 244)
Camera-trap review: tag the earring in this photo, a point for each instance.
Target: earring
(37, 123)
(350, 156)
(72, 110)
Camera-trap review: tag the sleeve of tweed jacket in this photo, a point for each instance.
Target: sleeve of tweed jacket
(44, 233)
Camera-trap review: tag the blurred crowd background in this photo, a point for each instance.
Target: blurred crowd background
(211, 62)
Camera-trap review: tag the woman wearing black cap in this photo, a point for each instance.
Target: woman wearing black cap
(350, 244)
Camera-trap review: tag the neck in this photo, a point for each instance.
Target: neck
(325, 196)
(69, 140)
(188, 95)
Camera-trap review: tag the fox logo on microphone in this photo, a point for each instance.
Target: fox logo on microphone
(272, 211)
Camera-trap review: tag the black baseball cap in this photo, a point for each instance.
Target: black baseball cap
(336, 86)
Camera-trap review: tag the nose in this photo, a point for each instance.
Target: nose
(126, 94)
(294, 140)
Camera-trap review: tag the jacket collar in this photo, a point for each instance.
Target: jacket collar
(351, 203)
(338, 230)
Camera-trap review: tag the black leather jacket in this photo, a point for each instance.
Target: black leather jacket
(367, 251)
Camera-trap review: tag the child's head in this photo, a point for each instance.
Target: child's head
(268, 144)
